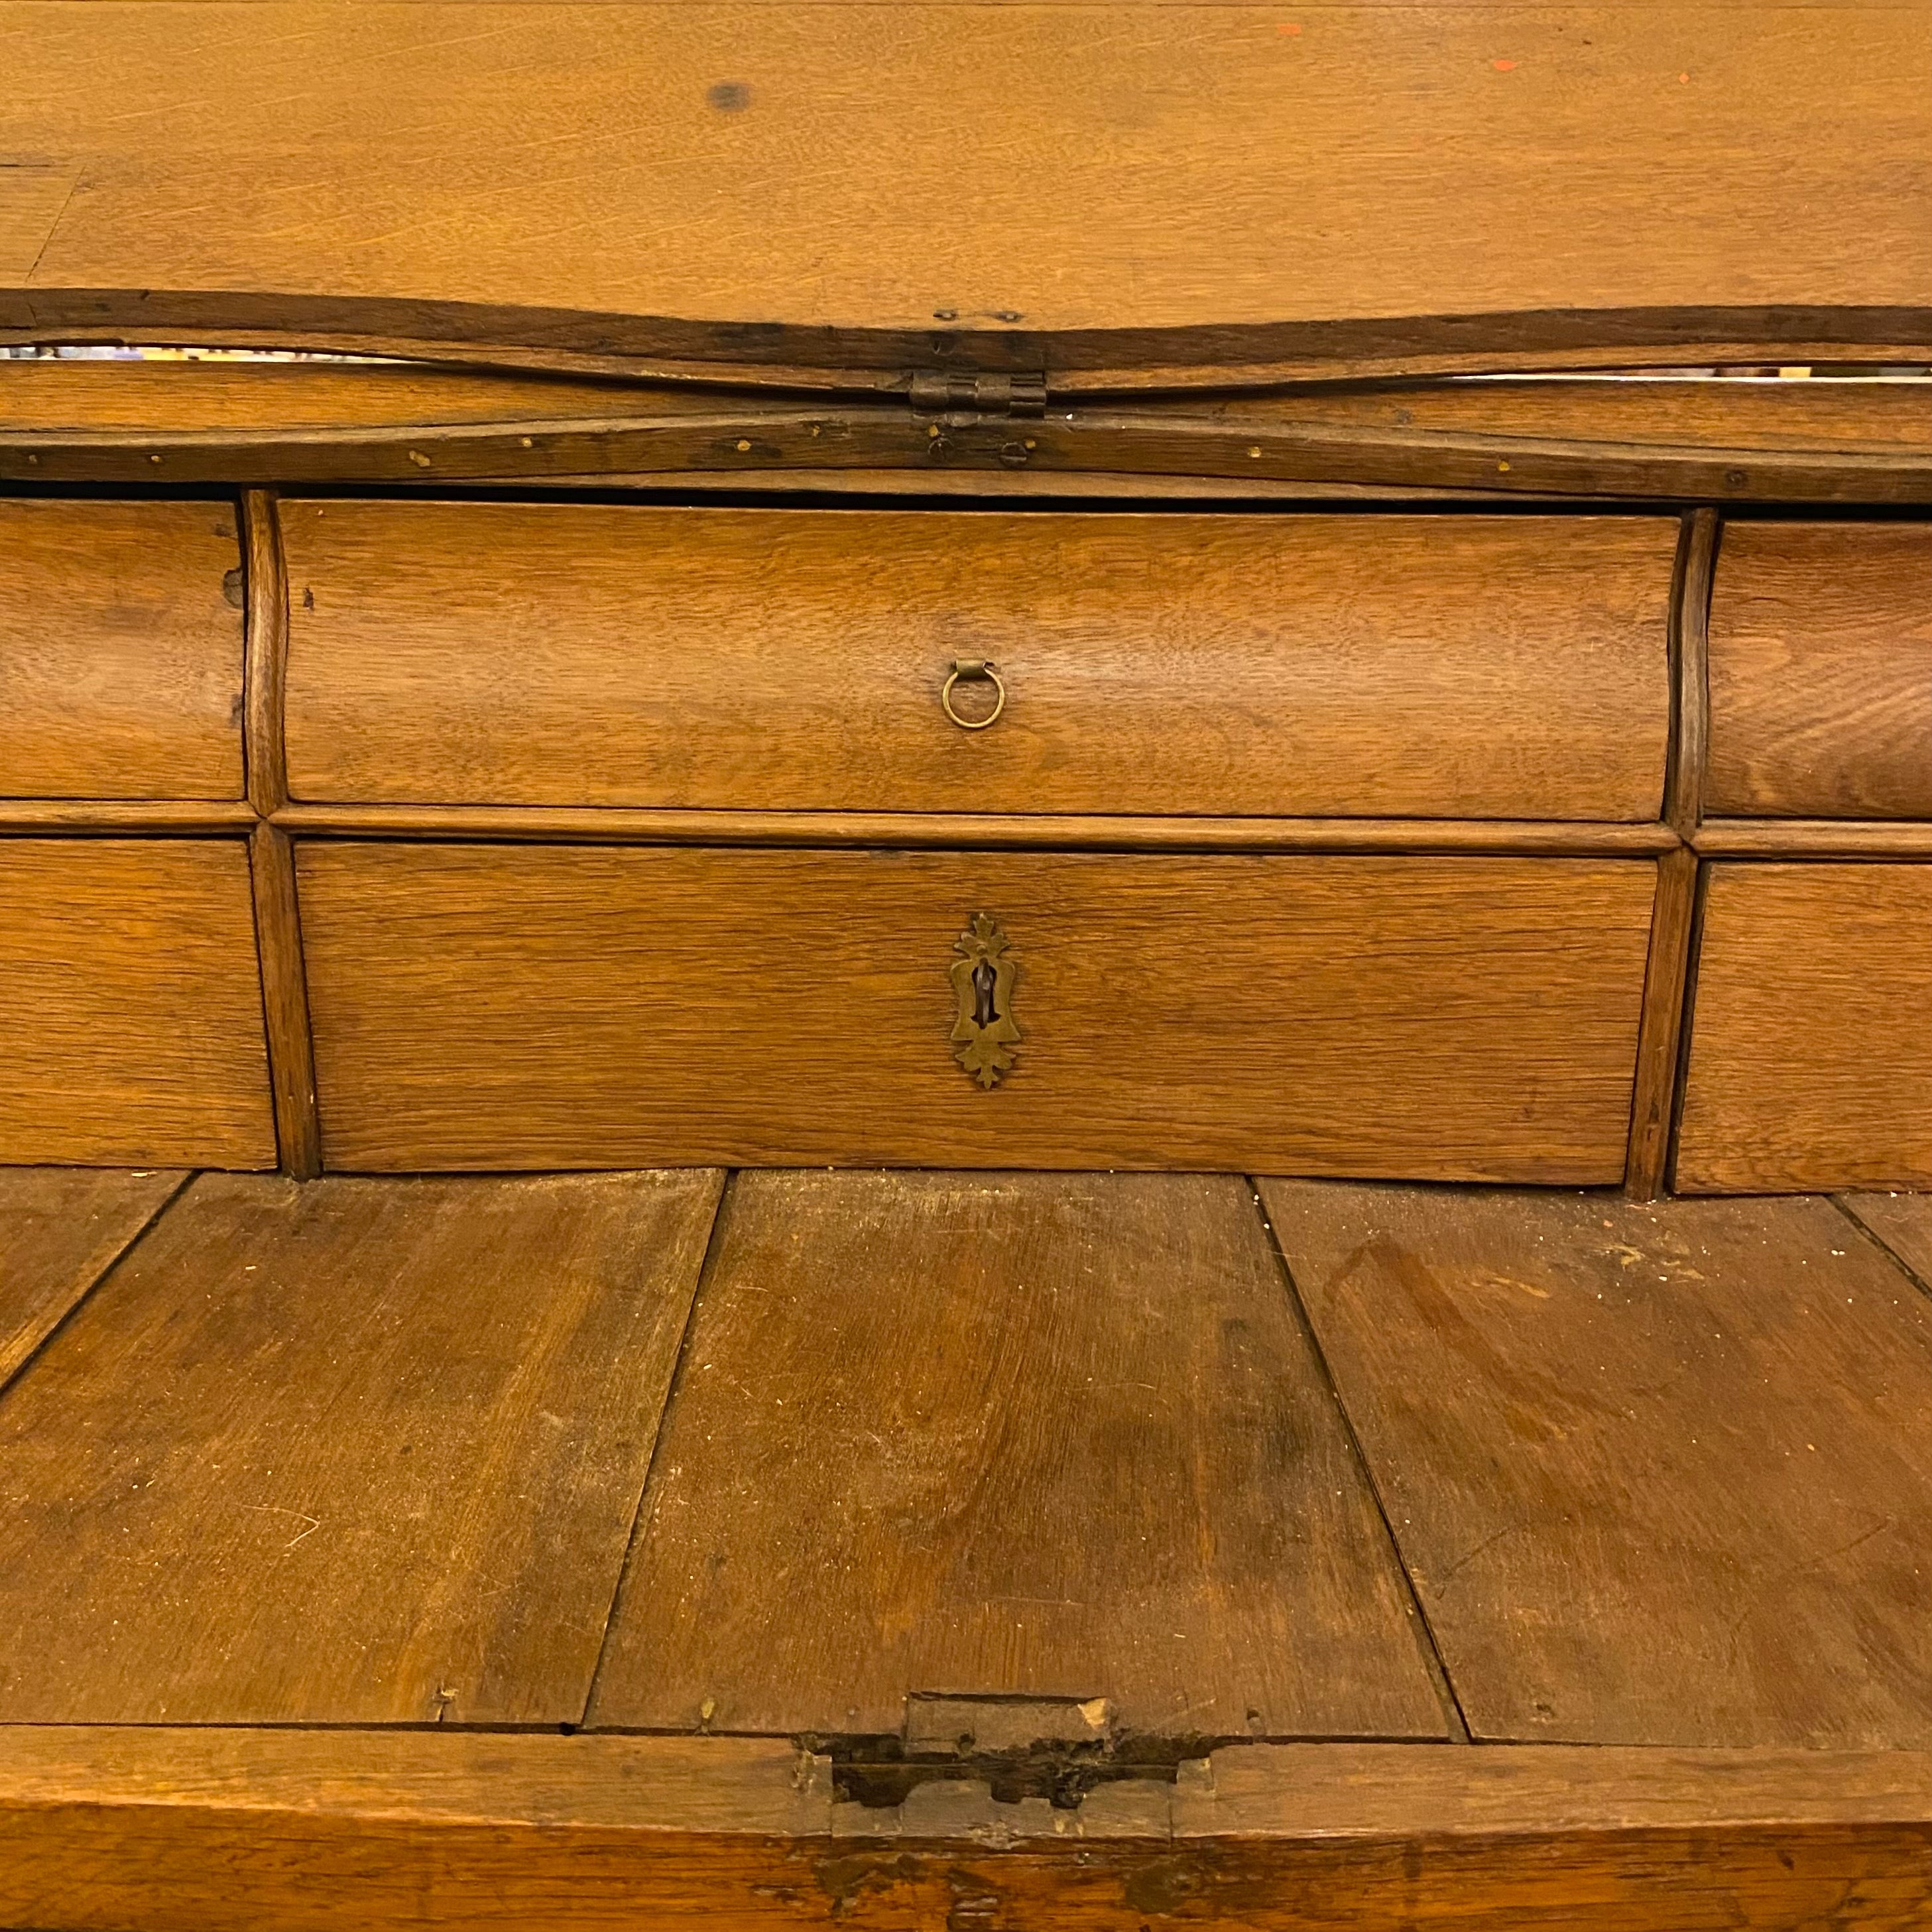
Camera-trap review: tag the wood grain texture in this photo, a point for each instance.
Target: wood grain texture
(500, 1007)
(121, 814)
(1660, 1475)
(121, 650)
(267, 650)
(1089, 190)
(171, 1830)
(272, 868)
(1809, 1064)
(130, 1007)
(353, 1451)
(1821, 672)
(60, 1231)
(1903, 1222)
(1690, 658)
(565, 655)
(1660, 1038)
(1814, 837)
(1017, 1436)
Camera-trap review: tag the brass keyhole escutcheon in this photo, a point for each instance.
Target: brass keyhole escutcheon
(972, 671)
(985, 1036)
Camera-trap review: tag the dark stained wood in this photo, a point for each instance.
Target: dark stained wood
(175, 1830)
(272, 868)
(1660, 1475)
(1660, 1038)
(1690, 630)
(61, 1229)
(567, 655)
(1360, 196)
(1821, 671)
(1007, 1435)
(1810, 1064)
(1903, 1222)
(121, 638)
(353, 1451)
(130, 1026)
(503, 1007)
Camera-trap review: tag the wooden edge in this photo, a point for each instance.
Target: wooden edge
(1690, 649)
(67, 816)
(1686, 1024)
(163, 1829)
(1813, 838)
(265, 652)
(1653, 1097)
(285, 1001)
(614, 825)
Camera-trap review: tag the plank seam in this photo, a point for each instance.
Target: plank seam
(1879, 1241)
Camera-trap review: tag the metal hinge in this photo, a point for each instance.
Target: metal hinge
(942, 392)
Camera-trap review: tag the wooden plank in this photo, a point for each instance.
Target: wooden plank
(173, 1830)
(1660, 1037)
(131, 1028)
(1810, 1063)
(60, 1231)
(1484, 185)
(1903, 1222)
(566, 655)
(1808, 838)
(122, 649)
(353, 1451)
(117, 814)
(1660, 1475)
(272, 867)
(501, 1007)
(1690, 658)
(1007, 1436)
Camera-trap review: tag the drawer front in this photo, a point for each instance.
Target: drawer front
(120, 650)
(482, 1006)
(1821, 672)
(1431, 667)
(1810, 1061)
(130, 1005)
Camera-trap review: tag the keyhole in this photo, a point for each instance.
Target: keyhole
(984, 981)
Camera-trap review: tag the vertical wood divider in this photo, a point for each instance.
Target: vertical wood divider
(270, 854)
(1689, 663)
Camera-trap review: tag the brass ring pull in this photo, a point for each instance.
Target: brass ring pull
(973, 671)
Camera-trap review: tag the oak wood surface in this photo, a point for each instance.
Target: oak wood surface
(353, 1451)
(1690, 665)
(61, 1229)
(131, 1006)
(1661, 1475)
(164, 1829)
(271, 869)
(1810, 1063)
(120, 650)
(118, 814)
(1007, 1435)
(1821, 672)
(510, 1007)
(1095, 188)
(1653, 1105)
(1820, 837)
(566, 655)
(1903, 1222)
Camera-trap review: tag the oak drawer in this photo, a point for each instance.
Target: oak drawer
(1432, 666)
(120, 650)
(130, 1005)
(492, 1007)
(1821, 672)
(1810, 1057)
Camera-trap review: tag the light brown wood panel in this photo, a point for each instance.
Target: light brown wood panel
(1821, 671)
(549, 654)
(1007, 1435)
(60, 1231)
(120, 650)
(130, 1005)
(1811, 1060)
(1903, 1222)
(1089, 188)
(512, 1006)
(346, 1451)
(1662, 1475)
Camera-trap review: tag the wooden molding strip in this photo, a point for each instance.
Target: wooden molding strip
(161, 1829)
(1814, 838)
(615, 825)
(1689, 658)
(1652, 1101)
(107, 816)
(264, 650)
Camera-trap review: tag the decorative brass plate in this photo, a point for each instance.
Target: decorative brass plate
(985, 1033)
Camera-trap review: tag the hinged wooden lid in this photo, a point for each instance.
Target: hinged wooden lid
(1112, 195)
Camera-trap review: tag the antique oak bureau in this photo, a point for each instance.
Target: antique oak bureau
(965, 966)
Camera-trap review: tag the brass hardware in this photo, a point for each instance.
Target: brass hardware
(973, 671)
(985, 1033)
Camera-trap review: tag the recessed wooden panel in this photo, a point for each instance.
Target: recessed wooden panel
(500, 1007)
(60, 1230)
(345, 1451)
(1017, 1436)
(120, 650)
(1662, 1475)
(552, 654)
(1821, 672)
(1810, 1063)
(130, 1005)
